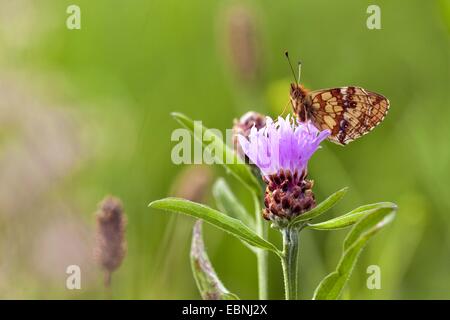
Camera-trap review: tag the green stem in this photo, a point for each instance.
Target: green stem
(261, 255)
(289, 262)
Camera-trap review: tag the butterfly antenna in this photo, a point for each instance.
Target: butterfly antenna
(299, 71)
(286, 53)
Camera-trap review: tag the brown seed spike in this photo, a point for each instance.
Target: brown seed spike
(110, 248)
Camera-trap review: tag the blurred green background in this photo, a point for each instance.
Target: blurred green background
(85, 113)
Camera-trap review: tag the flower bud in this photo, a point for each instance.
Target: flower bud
(243, 126)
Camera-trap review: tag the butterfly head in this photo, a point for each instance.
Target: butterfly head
(298, 96)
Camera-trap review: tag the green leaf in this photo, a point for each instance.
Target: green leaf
(208, 283)
(227, 202)
(321, 208)
(332, 285)
(373, 222)
(371, 206)
(216, 218)
(349, 218)
(223, 155)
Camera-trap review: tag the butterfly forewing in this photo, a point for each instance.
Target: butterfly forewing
(348, 112)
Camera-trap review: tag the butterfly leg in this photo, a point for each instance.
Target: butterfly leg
(306, 117)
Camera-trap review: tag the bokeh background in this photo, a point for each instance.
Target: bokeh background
(85, 113)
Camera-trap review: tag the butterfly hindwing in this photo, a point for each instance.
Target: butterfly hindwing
(348, 112)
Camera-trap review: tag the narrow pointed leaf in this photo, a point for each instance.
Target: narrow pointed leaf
(339, 222)
(208, 283)
(216, 218)
(321, 208)
(375, 220)
(224, 154)
(227, 202)
(373, 206)
(331, 286)
(350, 218)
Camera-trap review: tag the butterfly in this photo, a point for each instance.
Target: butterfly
(348, 112)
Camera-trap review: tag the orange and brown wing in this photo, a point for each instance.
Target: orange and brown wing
(348, 112)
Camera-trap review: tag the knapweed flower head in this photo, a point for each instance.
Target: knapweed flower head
(281, 150)
(284, 144)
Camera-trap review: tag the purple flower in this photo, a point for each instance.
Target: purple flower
(283, 145)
